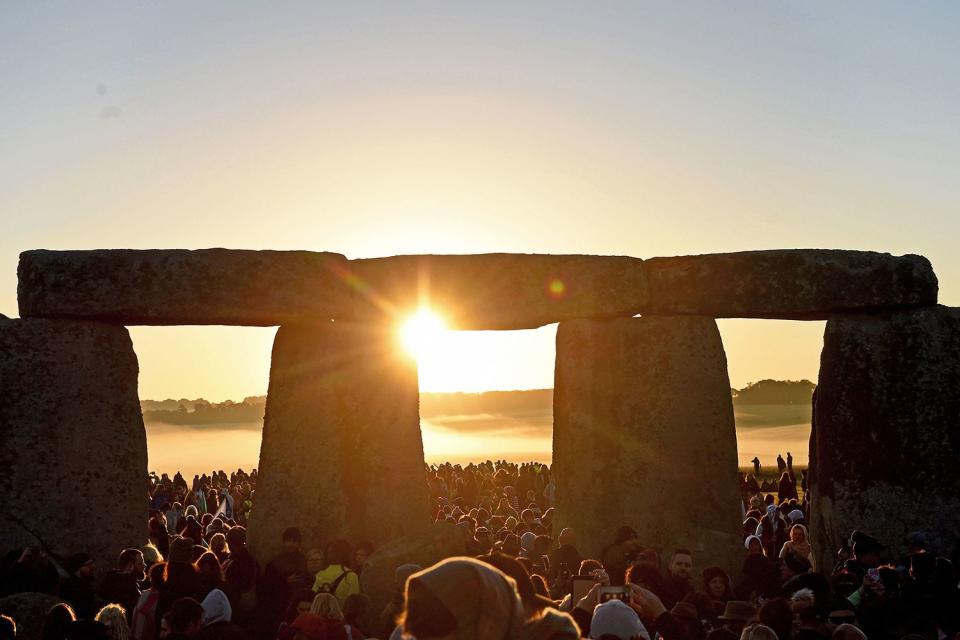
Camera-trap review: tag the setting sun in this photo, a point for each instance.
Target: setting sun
(421, 332)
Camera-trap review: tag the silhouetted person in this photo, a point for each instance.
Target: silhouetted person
(756, 466)
(790, 463)
(781, 464)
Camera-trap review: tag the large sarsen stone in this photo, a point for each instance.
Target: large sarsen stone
(802, 284)
(177, 286)
(886, 430)
(342, 454)
(644, 436)
(73, 451)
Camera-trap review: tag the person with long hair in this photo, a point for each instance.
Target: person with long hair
(114, 618)
(144, 623)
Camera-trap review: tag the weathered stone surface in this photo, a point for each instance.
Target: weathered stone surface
(886, 415)
(644, 436)
(28, 611)
(802, 284)
(342, 454)
(72, 441)
(176, 286)
(500, 290)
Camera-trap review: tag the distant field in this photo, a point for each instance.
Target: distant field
(518, 434)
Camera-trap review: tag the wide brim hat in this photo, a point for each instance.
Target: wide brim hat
(739, 611)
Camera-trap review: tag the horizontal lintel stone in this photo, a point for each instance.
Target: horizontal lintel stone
(789, 284)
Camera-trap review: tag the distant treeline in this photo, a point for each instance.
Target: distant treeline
(251, 409)
(775, 392)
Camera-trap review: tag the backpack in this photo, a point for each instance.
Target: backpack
(331, 588)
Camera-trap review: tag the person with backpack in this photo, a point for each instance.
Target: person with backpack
(336, 577)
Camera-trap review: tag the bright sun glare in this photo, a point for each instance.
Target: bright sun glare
(421, 332)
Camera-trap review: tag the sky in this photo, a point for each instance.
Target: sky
(373, 129)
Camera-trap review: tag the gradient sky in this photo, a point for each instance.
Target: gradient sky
(369, 129)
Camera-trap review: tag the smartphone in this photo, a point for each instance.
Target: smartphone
(579, 586)
(614, 593)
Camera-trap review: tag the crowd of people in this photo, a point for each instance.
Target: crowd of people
(517, 577)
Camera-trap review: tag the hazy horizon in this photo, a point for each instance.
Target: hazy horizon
(456, 427)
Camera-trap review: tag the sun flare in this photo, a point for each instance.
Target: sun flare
(421, 332)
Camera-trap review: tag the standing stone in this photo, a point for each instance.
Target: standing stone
(499, 290)
(342, 454)
(644, 436)
(799, 284)
(177, 286)
(73, 450)
(886, 414)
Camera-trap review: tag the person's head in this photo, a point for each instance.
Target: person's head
(8, 628)
(326, 605)
(848, 631)
(114, 618)
(758, 632)
(80, 565)
(56, 621)
(156, 574)
(716, 583)
(614, 620)
(218, 543)
(777, 614)
(753, 544)
(339, 552)
(511, 545)
(131, 561)
(483, 537)
(355, 607)
(184, 616)
(462, 599)
(236, 538)
(567, 537)
(627, 537)
(793, 565)
(151, 555)
(681, 564)
(300, 602)
(315, 561)
(361, 553)
(209, 565)
(798, 534)
(588, 566)
(643, 574)
(736, 615)
(292, 540)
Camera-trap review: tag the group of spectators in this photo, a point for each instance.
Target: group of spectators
(516, 577)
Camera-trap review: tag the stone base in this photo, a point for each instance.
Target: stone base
(342, 454)
(886, 431)
(644, 436)
(72, 444)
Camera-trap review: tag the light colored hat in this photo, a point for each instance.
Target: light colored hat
(795, 515)
(615, 618)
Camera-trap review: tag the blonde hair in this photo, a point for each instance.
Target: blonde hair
(114, 617)
(327, 605)
(758, 632)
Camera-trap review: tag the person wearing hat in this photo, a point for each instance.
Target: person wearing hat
(736, 615)
(465, 599)
(615, 619)
(77, 588)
